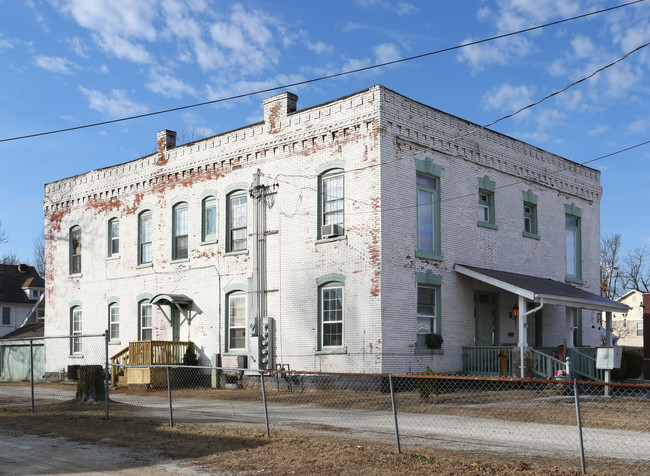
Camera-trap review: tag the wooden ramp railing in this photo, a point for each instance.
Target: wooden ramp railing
(146, 353)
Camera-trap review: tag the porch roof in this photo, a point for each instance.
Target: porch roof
(177, 300)
(536, 289)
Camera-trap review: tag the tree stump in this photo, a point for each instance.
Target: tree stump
(90, 384)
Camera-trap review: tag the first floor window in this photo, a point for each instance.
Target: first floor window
(146, 319)
(426, 317)
(237, 321)
(639, 329)
(331, 316)
(76, 330)
(6, 316)
(114, 321)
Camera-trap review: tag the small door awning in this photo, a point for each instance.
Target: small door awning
(180, 301)
(535, 289)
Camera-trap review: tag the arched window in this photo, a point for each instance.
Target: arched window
(144, 237)
(179, 231)
(75, 250)
(330, 312)
(113, 237)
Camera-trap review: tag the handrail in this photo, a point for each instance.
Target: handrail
(546, 365)
(585, 365)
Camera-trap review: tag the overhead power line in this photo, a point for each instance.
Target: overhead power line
(320, 78)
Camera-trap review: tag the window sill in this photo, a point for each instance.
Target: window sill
(574, 280)
(527, 234)
(329, 240)
(76, 356)
(428, 255)
(209, 241)
(235, 253)
(75, 275)
(112, 257)
(485, 224)
(429, 351)
(180, 260)
(144, 265)
(237, 353)
(332, 351)
(114, 342)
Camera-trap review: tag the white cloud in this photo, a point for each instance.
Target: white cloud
(54, 64)
(5, 44)
(320, 48)
(116, 24)
(547, 119)
(508, 98)
(405, 8)
(583, 47)
(354, 63)
(373, 3)
(599, 130)
(641, 125)
(168, 85)
(78, 46)
(501, 52)
(117, 104)
(386, 52)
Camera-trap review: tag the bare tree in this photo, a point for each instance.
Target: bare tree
(637, 271)
(3, 236)
(10, 258)
(610, 278)
(39, 253)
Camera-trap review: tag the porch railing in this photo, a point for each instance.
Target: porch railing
(545, 365)
(583, 363)
(488, 361)
(147, 353)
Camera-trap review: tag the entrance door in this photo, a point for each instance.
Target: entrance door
(176, 324)
(535, 326)
(485, 313)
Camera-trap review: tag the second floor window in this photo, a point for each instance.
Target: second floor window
(113, 237)
(75, 250)
(237, 223)
(209, 219)
(6, 316)
(144, 238)
(573, 251)
(179, 245)
(333, 200)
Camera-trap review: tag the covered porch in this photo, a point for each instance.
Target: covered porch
(541, 333)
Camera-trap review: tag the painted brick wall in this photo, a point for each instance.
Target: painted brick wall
(377, 134)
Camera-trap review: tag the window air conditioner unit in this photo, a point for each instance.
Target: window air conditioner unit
(328, 231)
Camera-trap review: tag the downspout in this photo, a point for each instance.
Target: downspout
(523, 336)
(33, 310)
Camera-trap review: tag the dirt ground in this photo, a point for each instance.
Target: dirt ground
(224, 449)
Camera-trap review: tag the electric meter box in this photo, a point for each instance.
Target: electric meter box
(608, 358)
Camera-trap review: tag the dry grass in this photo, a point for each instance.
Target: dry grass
(240, 449)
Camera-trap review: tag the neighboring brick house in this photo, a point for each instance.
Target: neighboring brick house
(21, 296)
(394, 237)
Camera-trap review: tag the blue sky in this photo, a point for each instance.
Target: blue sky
(66, 63)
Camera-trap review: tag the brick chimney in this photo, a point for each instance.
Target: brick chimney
(166, 140)
(276, 108)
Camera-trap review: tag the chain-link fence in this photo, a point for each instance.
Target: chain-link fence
(592, 425)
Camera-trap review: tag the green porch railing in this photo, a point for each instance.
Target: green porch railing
(583, 363)
(545, 365)
(488, 361)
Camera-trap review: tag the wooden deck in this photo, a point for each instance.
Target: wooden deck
(146, 353)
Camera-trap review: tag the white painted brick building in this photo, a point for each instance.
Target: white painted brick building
(362, 162)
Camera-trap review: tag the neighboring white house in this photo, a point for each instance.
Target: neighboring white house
(21, 291)
(373, 232)
(629, 325)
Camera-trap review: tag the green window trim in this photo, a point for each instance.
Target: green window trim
(573, 254)
(235, 194)
(331, 282)
(429, 281)
(331, 170)
(428, 232)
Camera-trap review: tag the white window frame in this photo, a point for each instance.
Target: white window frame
(114, 321)
(75, 249)
(209, 217)
(113, 237)
(237, 322)
(327, 316)
(639, 329)
(237, 225)
(142, 315)
(76, 329)
(145, 233)
(180, 227)
(333, 199)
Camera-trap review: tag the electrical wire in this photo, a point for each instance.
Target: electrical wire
(320, 78)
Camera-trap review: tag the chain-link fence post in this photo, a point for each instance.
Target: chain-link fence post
(392, 399)
(106, 374)
(579, 423)
(169, 394)
(266, 408)
(31, 368)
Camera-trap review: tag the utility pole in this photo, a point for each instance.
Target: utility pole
(257, 282)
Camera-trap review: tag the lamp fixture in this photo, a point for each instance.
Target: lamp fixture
(515, 311)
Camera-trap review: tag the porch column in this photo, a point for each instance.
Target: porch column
(609, 342)
(523, 335)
